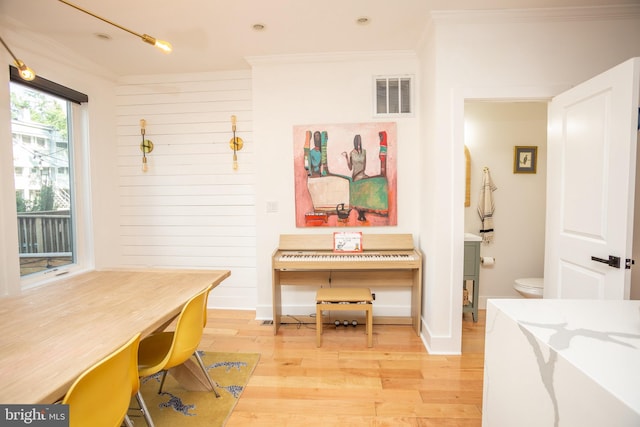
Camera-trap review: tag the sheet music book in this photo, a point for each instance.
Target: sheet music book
(347, 241)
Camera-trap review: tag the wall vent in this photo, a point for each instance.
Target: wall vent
(393, 95)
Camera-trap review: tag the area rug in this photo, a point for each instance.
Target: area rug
(178, 407)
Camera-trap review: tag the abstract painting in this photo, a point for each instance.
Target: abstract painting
(345, 175)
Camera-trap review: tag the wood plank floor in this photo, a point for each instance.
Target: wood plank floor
(396, 383)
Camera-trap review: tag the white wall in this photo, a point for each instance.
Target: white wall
(190, 209)
(504, 55)
(635, 273)
(297, 90)
(492, 129)
(441, 302)
(10, 271)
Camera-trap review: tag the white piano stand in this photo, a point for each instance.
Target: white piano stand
(334, 299)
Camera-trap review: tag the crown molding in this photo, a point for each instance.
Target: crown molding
(331, 57)
(556, 14)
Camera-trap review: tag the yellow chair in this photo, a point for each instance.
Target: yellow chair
(162, 351)
(100, 396)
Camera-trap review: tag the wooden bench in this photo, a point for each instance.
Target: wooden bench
(332, 299)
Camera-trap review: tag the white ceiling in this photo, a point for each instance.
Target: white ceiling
(209, 35)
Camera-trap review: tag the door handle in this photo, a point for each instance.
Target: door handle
(613, 261)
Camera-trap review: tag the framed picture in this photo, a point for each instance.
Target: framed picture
(525, 159)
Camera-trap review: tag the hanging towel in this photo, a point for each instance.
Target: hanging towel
(486, 206)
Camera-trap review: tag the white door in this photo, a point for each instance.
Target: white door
(591, 165)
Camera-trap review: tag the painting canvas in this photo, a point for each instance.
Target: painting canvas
(345, 175)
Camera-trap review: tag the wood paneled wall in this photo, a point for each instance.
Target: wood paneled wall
(190, 209)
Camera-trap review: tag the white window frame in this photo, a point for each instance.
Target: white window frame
(11, 282)
(80, 199)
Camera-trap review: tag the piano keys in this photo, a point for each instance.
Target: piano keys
(336, 257)
(387, 261)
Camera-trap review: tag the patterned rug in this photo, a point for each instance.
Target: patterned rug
(178, 407)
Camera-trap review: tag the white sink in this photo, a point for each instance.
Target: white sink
(469, 237)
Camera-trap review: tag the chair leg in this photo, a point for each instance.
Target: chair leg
(127, 421)
(164, 376)
(204, 369)
(319, 322)
(144, 410)
(369, 313)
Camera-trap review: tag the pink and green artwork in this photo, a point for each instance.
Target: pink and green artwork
(345, 175)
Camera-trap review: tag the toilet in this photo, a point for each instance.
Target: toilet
(530, 287)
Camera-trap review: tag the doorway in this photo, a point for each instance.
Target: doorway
(493, 129)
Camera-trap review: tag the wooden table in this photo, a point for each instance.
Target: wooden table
(51, 334)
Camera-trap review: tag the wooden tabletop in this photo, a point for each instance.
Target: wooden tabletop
(49, 335)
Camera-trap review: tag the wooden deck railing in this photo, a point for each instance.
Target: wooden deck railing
(45, 233)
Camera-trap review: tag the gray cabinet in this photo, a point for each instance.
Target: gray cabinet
(471, 274)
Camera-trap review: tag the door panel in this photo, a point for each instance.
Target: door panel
(591, 185)
(579, 282)
(584, 189)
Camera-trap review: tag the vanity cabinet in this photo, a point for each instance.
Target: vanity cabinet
(471, 274)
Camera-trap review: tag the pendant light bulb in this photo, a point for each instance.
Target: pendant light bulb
(25, 72)
(163, 46)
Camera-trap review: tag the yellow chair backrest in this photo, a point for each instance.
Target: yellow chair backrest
(100, 396)
(188, 332)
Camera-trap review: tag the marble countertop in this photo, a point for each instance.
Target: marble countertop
(601, 338)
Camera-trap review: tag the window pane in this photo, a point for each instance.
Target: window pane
(405, 95)
(381, 96)
(42, 166)
(394, 96)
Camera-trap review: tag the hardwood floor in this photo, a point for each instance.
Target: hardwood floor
(343, 383)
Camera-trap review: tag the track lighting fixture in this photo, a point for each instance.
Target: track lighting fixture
(164, 46)
(26, 73)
